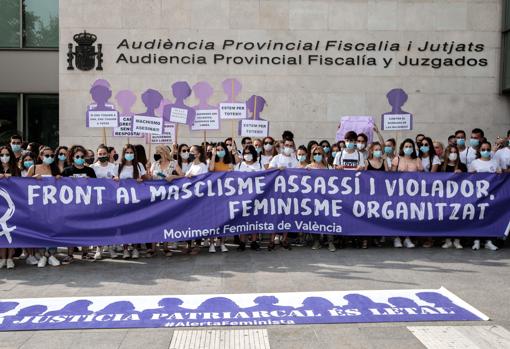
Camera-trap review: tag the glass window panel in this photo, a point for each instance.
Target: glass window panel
(506, 62)
(8, 116)
(40, 23)
(9, 23)
(41, 119)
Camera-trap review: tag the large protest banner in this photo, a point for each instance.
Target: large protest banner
(81, 212)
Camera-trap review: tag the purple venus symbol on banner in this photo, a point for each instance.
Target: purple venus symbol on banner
(126, 100)
(179, 112)
(151, 99)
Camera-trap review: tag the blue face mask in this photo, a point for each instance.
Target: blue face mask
(388, 150)
(461, 141)
(79, 162)
(221, 154)
(408, 151)
(349, 145)
(326, 149)
(485, 154)
(48, 161)
(16, 148)
(28, 164)
(317, 158)
(334, 154)
(301, 158)
(259, 150)
(424, 149)
(377, 153)
(473, 142)
(128, 157)
(62, 157)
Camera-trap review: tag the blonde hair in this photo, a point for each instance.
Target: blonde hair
(164, 151)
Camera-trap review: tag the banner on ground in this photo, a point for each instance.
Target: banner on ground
(235, 310)
(84, 212)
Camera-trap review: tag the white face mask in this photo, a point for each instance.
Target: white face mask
(185, 156)
(360, 146)
(248, 157)
(452, 156)
(268, 147)
(5, 158)
(288, 151)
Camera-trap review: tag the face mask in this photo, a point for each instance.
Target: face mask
(452, 156)
(388, 150)
(248, 157)
(5, 158)
(185, 156)
(62, 157)
(474, 142)
(360, 146)
(103, 158)
(258, 150)
(157, 157)
(28, 164)
(115, 157)
(424, 149)
(79, 162)
(301, 158)
(288, 151)
(317, 158)
(408, 151)
(16, 148)
(268, 147)
(129, 157)
(326, 149)
(334, 154)
(48, 161)
(221, 154)
(89, 161)
(191, 157)
(349, 145)
(485, 154)
(377, 154)
(461, 141)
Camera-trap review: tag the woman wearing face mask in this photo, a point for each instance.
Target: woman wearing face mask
(429, 160)
(302, 157)
(335, 149)
(389, 151)
(112, 154)
(326, 146)
(183, 158)
(9, 169)
(361, 145)
(406, 161)
(45, 167)
(89, 157)
(269, 152)
(259, 147)
(62, 162)
(27, 160)
(130, 168)
(484, 164)
(439, 148)
(318, 162)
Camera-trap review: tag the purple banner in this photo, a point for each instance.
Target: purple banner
(80, 212)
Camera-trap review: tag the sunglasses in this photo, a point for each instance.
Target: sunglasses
(62, 154)
(184, 151)
(317, 153)
(79, 156)
(269, 143)
(5, 155)
(49, 155)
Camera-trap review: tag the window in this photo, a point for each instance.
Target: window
(9, 111)
(41, 119)
(29, 24)
(505, 49)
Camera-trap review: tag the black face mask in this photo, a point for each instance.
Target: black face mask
(103, 158)
(89, 161)
(157, 157)
(115, 157)
(191, 157)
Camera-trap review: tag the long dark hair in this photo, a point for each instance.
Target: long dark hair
(25, 155)
(227, 159)
(66, 161)
(179, 149)
(55, 171)
(432, 151)
(140, 155)
(201, 153)
(446, 157)
(136, 173)
(401, 151)
(13, 166)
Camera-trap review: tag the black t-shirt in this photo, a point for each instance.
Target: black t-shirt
(73, 171)
(461, 167)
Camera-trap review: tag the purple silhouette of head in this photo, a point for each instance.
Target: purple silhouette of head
(151, 99)
(255, 105)
(126, 99)
(232, 88)
(170, 303)
(396, 98)
(181, 91)
(203, 91)
(100, 94)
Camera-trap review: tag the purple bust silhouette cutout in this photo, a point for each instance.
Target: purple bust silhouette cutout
(203, 92)
(181, 91)
(151, 99)
(255, 105)
(232, 88)
(101, 93)
(397, 98)
(125, 100)
(205, 120)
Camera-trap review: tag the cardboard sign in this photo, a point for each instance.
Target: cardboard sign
(102, 118)
(233, 111)
(168, 136)
(397, 122)
(206, 119)
(254, 128)
(124, 129)
(148, 124)
(178, 115)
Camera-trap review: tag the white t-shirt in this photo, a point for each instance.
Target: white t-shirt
(503, 158)
(156, 168)
(349, 161)
(281, 160)
(195, 170)
(467, 156)
(479, 165)
(265, 160)
(244, 167)
(127, 171)
(426, 163)
(108, 171)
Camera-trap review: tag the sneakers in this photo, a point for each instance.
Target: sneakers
(31, 260)
(476, 245)
(448, 243)
(223, 248)
(457, 245)
(126, 254)
(212, 248)
(397, 243)
(53, 261)
(97, 255)
(488, 246)
(408, 243)
(135, 254)
(316, 245)
(23, 255)
(10, 264)
(331, 247)
(42, 262)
